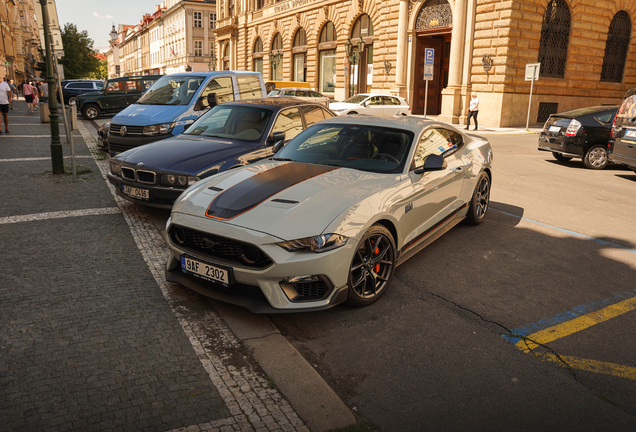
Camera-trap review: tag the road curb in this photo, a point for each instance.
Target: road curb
(312, 398)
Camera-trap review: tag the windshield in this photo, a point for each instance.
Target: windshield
(362, 147)
(100, 85)
(356, 99)
(172, 90)
(233, 122)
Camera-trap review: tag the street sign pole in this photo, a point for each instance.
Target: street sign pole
(532, 74)
(429, 62)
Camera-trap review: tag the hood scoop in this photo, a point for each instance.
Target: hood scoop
(284, 201)
(216, 189)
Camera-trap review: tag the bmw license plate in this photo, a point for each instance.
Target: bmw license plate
(135, 192)
(205, 271)
(555, 129)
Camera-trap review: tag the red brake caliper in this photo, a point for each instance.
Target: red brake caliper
(377, 266)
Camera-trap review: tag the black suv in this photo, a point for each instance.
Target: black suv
(581, 133)
(73, 88)
(623, 145)
(116, 95)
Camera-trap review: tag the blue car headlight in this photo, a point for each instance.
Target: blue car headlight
(319, 243)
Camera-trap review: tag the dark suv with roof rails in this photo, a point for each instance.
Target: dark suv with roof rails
(623, 144)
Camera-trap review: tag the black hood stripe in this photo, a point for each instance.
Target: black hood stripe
(249, 193)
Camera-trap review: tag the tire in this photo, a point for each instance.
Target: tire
(352, 112)
(91, 112)
(372, 267)
(560, 157)
(596, 157)
(480, 201)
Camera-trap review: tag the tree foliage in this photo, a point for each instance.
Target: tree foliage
(102, 73)
(79, 59)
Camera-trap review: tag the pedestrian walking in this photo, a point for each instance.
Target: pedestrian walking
(44, 90)
(27, 90)
(473, 110)
(6, 96)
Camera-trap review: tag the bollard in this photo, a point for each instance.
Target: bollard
(44, 112)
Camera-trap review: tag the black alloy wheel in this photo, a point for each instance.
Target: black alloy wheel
(372, 267)
(479, 202)
(596, 157)
(560, 157)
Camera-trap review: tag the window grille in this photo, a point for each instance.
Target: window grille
(198, 48)
(197, 19)
(555, 33)
(545, 109)
(620, 30)
(212, 20)
(434, 13)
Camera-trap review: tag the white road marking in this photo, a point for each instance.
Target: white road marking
(40, 159)
(58, 215)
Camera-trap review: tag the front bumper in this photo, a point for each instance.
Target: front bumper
(160, 196)
(260, 290)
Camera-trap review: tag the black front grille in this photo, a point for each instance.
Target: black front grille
(130, 130)
(311, 290)
(146, 177)
(243, 254)
(128, 173)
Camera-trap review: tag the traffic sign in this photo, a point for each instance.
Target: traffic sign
(428, 72)
(532, 71)
(429, 56)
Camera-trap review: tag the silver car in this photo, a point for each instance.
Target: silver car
(300, 93)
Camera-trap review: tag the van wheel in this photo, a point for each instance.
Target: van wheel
(91, 112)
(560, 157)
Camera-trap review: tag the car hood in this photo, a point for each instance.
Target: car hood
(184, 155)
(145, 115)
(288, 200)
(343, 106)
(90, 94)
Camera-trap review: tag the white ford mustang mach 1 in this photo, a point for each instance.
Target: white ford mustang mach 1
(330, 216)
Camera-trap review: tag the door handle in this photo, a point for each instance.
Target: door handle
(459, 168)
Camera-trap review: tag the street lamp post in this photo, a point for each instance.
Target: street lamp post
(212, 62)
(275, 60)
(57, 156)
(353, 57)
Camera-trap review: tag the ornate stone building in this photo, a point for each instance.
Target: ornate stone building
(586, 49)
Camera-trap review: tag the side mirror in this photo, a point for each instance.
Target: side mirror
(279, 139)
(432, 163)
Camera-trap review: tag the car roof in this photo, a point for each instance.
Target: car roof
(214, 73)
(294, 88)
(410, 123)
(126, 78)
(581, 112)
(279, 102)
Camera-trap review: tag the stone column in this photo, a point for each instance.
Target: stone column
(401, 59)
(451, 95)
(468, 61)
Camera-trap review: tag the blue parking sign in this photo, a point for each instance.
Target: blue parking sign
(429, 56)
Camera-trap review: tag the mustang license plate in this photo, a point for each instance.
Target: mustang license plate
(555, 129)
(135, 192)
(205, 271)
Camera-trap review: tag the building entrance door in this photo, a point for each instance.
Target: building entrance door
(441, 44)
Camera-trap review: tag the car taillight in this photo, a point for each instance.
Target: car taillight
(547, 123)
(573, 128)
(613, 128)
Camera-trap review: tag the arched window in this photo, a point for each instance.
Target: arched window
(327, 59)
(276, 58)
(620, 31)
(434, 14)
(258, 55)
(360, 54)
(555, 34)
(299, 53)
(226, 57)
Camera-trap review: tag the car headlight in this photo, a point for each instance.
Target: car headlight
(178, 180)
(158, 129)
(320, 243)
(115, 169)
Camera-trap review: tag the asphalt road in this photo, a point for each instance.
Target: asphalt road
(557, 247)
(430, 354)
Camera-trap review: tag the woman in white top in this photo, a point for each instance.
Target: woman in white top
(473, 110)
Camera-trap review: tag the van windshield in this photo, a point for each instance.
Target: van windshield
(172, 91)
(628, 108)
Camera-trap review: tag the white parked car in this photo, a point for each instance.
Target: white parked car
(330, 216)
(300, 93)
(372, 104)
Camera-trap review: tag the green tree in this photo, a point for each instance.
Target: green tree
(79, 59)
(102, 73)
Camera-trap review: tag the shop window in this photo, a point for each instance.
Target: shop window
(555, 34)
(327, 59)
(616, 48)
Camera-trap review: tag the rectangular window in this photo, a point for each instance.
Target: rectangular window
(212, 20)
(249, 87)
(328, 71)
(198, 48)
(198, 21)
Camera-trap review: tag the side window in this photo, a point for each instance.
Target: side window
(435, 141)
(327, 113)
(223, 89)
(387, 100)
(131, 85)
(375, 100)
(249, 87)
(313, 114)
(72, 86)
(289, 121)
(290, 93)
(605, 118)
(114, 87)
(315, 94)
(394, 101)
(85, 86)
(147, 84)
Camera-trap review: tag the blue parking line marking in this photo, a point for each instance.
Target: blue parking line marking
(566, 316)
(574, 233)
